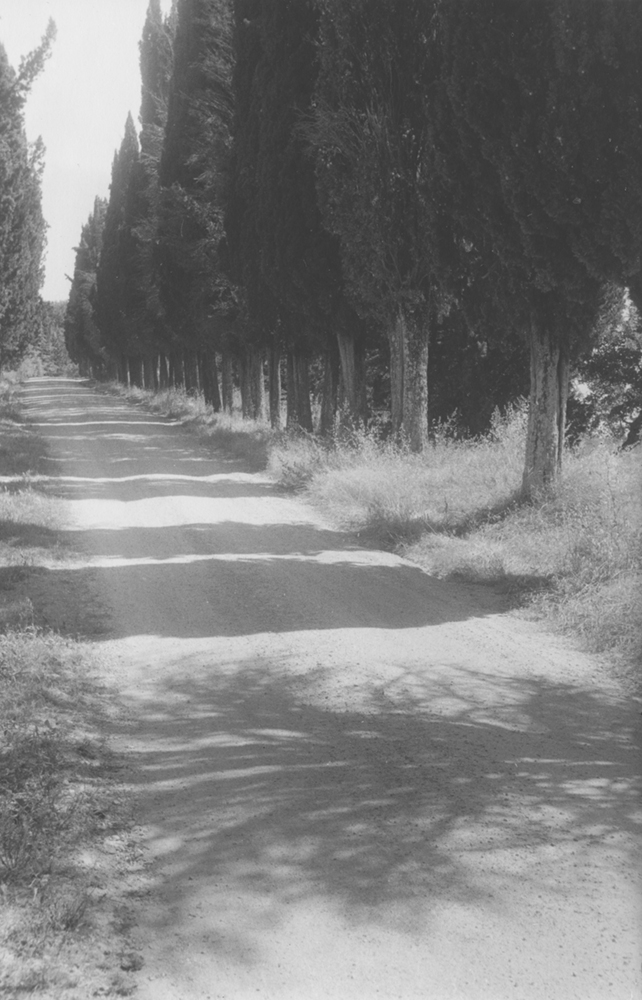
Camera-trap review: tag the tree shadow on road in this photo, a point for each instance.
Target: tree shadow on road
(385, 809)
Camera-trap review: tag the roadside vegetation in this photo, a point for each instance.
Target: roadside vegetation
(60, 803)
(572, 555)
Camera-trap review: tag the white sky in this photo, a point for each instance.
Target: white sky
(78, 105)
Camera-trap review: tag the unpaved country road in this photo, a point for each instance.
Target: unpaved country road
(355, 781)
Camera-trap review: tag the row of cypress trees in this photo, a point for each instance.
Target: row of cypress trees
(22, 226)
(406, 204)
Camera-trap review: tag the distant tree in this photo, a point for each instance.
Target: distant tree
(156, 60)
(83, 339)
(49, 345)
(118, 289)
(22, 227)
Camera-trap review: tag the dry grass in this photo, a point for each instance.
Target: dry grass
(393, 495)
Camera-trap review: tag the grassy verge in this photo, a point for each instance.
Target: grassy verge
(60, 802)
(574, 557)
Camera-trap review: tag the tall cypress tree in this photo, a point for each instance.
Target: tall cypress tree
(505, 114)
(288, 263)
(591, 147)
(195, 293)
(371, 133)
(82, 336)
(117, 285)
(22, 227)
(142, 204)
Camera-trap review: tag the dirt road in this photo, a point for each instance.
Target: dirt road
(354, 781)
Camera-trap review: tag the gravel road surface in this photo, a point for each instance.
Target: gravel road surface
(352, 780)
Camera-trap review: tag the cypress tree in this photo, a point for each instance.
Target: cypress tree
(22, 227)
(371, 133)
(512, 247)
(287, 264)
(156, 59)
(82, 336)
(195, 292)
(590, 147)
(117, 286)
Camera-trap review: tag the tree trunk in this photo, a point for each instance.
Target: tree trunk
(245, 384)
(191, 372)
(396, 343)
(330, 391)
(415, 383)
(136, 372)
(274, 384)
(149, 381)
(298, 393)
(227, 382)
(361, 388)
(257, 384)
(349, 405)
(209, 380)
(177, 368)
(123, 375)
(547, 410)
(163, 372)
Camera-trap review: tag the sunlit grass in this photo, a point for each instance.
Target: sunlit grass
(387, 491)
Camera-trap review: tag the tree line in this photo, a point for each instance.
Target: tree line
(400, 206)
(24, 317)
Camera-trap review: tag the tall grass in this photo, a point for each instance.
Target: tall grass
(393, 495)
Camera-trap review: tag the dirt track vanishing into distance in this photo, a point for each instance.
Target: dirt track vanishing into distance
(352, 780)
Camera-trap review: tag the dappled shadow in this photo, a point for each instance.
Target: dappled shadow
(385, 809)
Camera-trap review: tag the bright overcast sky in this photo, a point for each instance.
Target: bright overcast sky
(78, 105)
